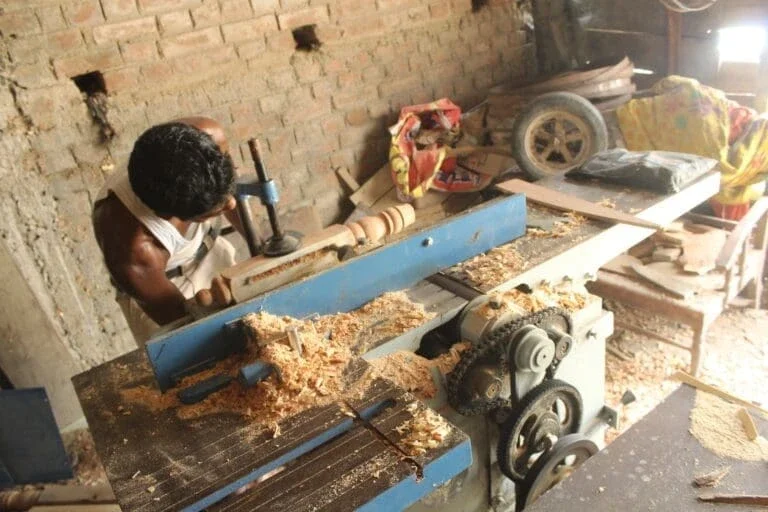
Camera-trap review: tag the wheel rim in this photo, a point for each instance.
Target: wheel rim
(557, 141)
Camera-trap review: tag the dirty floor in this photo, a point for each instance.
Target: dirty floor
(735, 357)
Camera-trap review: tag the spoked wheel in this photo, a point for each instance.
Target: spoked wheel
(548, 412)
(566, 456)
(556, 133)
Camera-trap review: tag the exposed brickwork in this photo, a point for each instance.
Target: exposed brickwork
(234, 60)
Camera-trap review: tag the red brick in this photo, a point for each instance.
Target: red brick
(19, 23)
(155, 6)
(363, 26)
(243, 111)
(358, 116)
(334, 66)
(261, 7)
(401, 5)
(191, 42)
(351, 97)
(310, 16)
(281, 143)
(281, 41)
(84, 12)
(139, 51)
(51, 18)
(254, 126)
(248, 29)
(392, 87)
(157, 71)
(206, 14)
(281, 79)
(235, 10)
(119, 9)
(33, 76)
(125, 30)
(272, 103)
(440, 10)
(322, 89)
(173, 23)
(65, 41)
(251, 49)
(350, 8)
(333, 123)
(308, 69)
(302, 112)
(348, 79)
(209, 60)
(99, 61)
(373, 74)
(121, 79)
(27, 49)
(342, 158)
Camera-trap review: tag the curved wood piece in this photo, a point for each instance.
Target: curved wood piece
(733, 246)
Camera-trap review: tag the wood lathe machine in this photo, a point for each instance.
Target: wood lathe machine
(524, 403)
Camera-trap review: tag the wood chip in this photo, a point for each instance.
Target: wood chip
(712, 478)
(424, 431)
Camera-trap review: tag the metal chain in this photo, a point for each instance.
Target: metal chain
(492, 343)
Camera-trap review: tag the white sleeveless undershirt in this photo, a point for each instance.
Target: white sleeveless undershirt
(182, 249)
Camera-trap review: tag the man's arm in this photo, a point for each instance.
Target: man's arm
(144, 279)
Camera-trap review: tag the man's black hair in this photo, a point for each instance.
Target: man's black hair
(179, 171)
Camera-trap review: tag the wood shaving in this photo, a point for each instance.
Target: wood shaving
(607, 202)
(541, 298)
(712, 478)
(715, 424)
(317, 378)
(496, 266)
(413, 372)
(571, 221)
(290, 264)
(424, 431)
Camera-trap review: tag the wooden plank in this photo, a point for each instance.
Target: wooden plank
(75, 508)
(336, 234)
(372, 190)
(714, 390)
(564, 202)
(748, 423)
(700, 251)
(736, 499)
(348, 179)
(622, 264)
(665, 281)
(739, 235)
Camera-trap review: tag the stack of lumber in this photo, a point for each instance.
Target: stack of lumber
(681, 259)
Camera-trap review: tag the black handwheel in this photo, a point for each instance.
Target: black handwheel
(548, 412)
(553, 467)
(557, 132)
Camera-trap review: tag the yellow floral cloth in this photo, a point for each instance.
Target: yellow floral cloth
(688, 117)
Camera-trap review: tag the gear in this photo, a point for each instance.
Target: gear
(488, 362)
(548, 412)
(553, 467)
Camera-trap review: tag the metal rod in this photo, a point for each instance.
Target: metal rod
(261, 171)
(249, 226)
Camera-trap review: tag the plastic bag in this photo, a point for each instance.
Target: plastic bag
(665, 172)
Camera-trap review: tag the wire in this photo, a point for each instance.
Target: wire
(680, 5)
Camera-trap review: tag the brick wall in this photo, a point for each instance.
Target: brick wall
(233, 60)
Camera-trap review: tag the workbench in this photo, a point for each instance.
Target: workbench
(155, 461)
(652, 466)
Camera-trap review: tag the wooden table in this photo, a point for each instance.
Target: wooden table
(652, 466)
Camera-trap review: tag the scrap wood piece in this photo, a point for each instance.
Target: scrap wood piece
(565, 202)
(700, 251)
(735, 499)
(665, 281)
(373, 189)
(348, 179)
(748, 423)
(714, 390)
(712, 478)
(664, 253)
(643, 249)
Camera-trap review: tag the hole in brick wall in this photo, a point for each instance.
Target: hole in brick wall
(306, 38)
(478, 4)
(95, 90)
(90, 83)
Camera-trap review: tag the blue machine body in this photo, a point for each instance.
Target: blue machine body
(347, 286)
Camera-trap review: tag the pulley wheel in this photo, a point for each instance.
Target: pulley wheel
(553, 467)
(548, 412)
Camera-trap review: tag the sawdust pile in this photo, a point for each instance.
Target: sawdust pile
(715, 424)
(607, 202)
(492, 268)
(413, 372)
(307, 258)
(571, 221)
(541, 298)
(316, 378)
(426, 430)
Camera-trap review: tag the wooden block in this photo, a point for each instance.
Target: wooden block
(748, 423)
(665, 282)
(564, 202)
(700, 251)
(674, 227)
(373, 189)
(643, 249)
(348, 179)
(622, 264)
(662, 237)
(666, 254)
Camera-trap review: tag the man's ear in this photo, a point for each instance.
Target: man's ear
(231, 204)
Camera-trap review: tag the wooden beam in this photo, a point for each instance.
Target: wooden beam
(674, 41)
(714, 390)
(564, 202)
